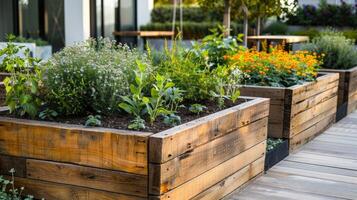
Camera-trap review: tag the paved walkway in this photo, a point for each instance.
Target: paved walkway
(324, 169)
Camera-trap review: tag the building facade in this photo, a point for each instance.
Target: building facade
(63, 22)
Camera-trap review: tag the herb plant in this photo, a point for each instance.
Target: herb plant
(172, 120)
(338, 51)
(197, 108)
(93, 120)
(22, 87)
(8, 190)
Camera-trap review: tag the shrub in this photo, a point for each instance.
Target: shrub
(164, 14)
(191, 30)
(276, 28)
(325, 15)
(339, 52)
(277, 68)
(20, 39)
(22, 87)
(89, 76)
(311, 32)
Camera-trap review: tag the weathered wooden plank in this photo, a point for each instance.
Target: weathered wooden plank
(214, 176)
(313, 112)
(95, 178)
(169, 175)
(301, 92)
(316, 171)
(310, 185)
(171, 143)
(264, 192)
(310, 102)
(18, 164)
(237, 180)
(303, 126)
(53, 191)
(97, 147)
(276, 94)
(310, 133)
(324, 160)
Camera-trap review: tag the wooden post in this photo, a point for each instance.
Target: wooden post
(227, 17)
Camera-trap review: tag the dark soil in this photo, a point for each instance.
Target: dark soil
(121, 121)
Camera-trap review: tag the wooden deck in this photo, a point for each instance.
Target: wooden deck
(324, 169)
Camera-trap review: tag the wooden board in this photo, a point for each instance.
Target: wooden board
(169, 144)
(203, 182)
(53, 191)
(97, 147)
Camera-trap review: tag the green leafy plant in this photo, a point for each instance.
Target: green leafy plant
(48, 114)
(173, 98)
(93, 120)
(8, 190)
(338, 51)
(156, 104)
(133, 103)
(137, 124)
(172, 120)
(90, 76)
(197, 108)
(228, 85)
(20, 39)
(273, 143)
(22, 87)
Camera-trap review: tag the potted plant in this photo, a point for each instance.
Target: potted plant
(103, 121)
(340, 56)
(303, 102)
(277, 150)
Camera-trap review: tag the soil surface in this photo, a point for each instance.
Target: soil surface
(121, 121)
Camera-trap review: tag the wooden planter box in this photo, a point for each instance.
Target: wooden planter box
(276, 155)
(347, 91)
(205, 158)
(301, 112)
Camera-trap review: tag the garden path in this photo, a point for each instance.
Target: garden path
(324, 169)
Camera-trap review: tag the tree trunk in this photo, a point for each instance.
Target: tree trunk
(245, 30)
(259, 23)
(227, 17)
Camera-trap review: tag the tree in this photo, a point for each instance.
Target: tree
(230, 8)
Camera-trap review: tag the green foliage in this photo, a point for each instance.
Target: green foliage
(93, 120)
(172, 120)
(173, 98)
(20, 39)
(192, 30)
(8, 190)
(48, 114)
(156, 104)
(133, 103)
(228, 83)
(163, 14)
(344, 15)
(90, 76)
(137, 124)
(216, 47)
(339, 52)
(197, 108)
(273, 143)
(22, 87)
(276, 28)
(311, 32)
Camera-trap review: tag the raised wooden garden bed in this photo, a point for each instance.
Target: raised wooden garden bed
(204, 159)
(347, 91)
(301, 112)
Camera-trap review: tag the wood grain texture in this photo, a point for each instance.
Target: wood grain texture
(324, 169)
(95, 178)
(169, 144)
(97, 147)
(53, 191)
(204, 181)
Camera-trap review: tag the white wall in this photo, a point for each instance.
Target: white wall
(144, 8)
(77, 20)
